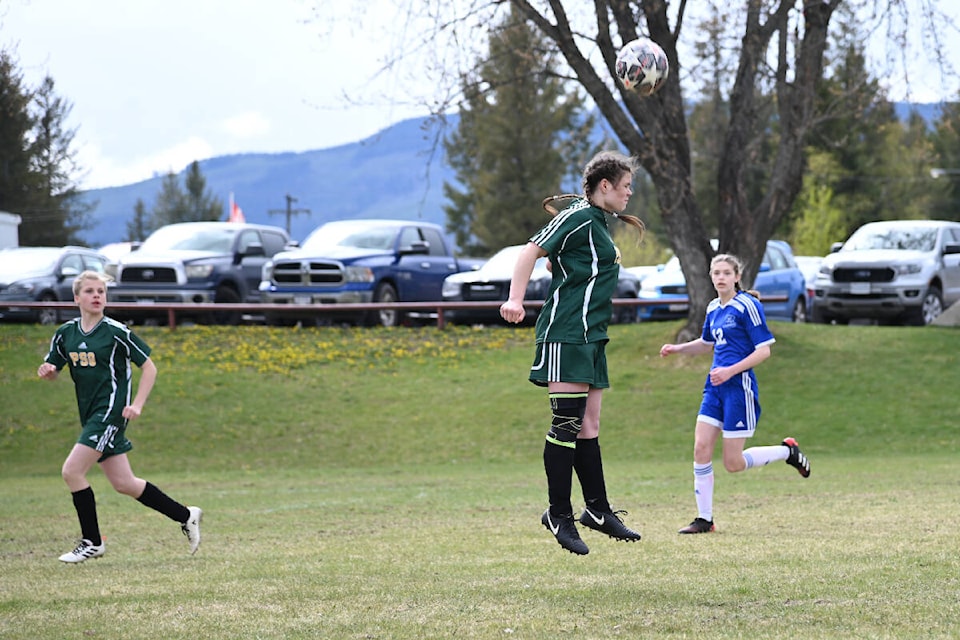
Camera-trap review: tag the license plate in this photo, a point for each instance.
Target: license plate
(146, 301)
(302, 300)
(860, 288)
(679, 307)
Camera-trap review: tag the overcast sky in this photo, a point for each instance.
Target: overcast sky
(157, 84)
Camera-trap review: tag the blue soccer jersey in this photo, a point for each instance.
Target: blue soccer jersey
(736, 330)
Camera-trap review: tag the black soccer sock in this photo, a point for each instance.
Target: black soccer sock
(558, 463)
(159, 501)
(561, 446)
(86, 505)
(589, 467)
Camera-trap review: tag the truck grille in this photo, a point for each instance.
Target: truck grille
(307, 273)
(863, 274)
(149, 275)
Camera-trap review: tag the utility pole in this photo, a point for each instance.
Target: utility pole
(289, 211)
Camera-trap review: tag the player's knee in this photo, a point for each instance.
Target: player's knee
(568, 411)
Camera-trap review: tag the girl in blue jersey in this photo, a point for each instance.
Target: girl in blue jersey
(570, 358)
(99, 353)
(736, 331)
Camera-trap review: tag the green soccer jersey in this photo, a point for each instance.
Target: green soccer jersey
(586, 267)
(100, 365)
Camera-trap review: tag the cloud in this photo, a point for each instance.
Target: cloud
(105, 172)
(251, 124)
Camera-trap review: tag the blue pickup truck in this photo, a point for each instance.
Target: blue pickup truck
(360, 261)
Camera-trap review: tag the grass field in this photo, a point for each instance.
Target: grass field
(388, 484)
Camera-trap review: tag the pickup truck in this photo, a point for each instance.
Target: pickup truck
(361, 261)
(196, 262)
(892, 272)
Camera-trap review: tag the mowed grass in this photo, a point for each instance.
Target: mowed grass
(389, 483)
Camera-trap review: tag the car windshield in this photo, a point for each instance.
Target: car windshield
(190, 238)
(22, 262)
(897, 238)
(352, 235)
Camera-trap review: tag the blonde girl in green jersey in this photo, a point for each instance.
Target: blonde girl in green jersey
(571, 336)
(99, 353)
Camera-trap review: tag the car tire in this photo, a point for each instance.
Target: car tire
(48, 316)
(929, 309)
(226, 295)
(819, 317)
(624, 314)
(386, 292)
(799, 311)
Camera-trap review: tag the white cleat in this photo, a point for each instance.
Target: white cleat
(191, 528)
(84, 551)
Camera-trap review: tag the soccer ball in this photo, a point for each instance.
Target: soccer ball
(642, 66)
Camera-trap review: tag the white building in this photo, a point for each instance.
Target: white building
(9, 229)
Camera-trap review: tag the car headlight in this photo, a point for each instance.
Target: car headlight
(266, 271)
(450, 289)
(907, 269)
(198, 271)
(21, 288)
(357, 274)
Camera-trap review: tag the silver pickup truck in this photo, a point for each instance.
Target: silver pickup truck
(893, 271)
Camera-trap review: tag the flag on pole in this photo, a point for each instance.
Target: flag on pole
(236, 213)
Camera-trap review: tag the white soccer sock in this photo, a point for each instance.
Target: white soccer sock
(762, 456)
(703, 489)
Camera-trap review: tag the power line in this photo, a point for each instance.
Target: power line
(289, 212)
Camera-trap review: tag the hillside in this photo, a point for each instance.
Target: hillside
(397, 173)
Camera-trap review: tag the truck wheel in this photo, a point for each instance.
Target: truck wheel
(226, 295)
(624, 314)
(48, 316)
(386, 292)
(928, 311)
(819, 317)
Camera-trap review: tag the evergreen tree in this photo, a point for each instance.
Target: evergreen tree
(520, 133)
(945, 139)
(138, 227)
(59, 213)
(18, 181)
(201, 204)
(196, 204)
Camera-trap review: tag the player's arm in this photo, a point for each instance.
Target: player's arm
(48, 371)
(148, 376)
(512, 310)
(722, 374)
(692, 348)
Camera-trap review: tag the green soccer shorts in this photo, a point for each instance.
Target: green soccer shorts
(561, 362)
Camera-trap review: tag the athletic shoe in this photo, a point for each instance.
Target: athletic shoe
(608, 522)
(699, 525)
(84, 551)
(191, 528)
(565, 531)
(796, 459)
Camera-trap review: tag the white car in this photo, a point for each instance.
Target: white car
(893, 271)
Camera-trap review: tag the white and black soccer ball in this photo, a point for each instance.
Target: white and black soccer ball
(642, 66)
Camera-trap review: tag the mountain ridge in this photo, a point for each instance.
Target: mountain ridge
(397, 173)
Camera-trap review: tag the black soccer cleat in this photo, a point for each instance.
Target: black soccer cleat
(699, 525)
(796, 459)
(608, 522)
(564, 529)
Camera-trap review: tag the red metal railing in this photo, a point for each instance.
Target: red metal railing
(306, 310)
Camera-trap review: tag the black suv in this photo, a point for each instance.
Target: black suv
(197, 262)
